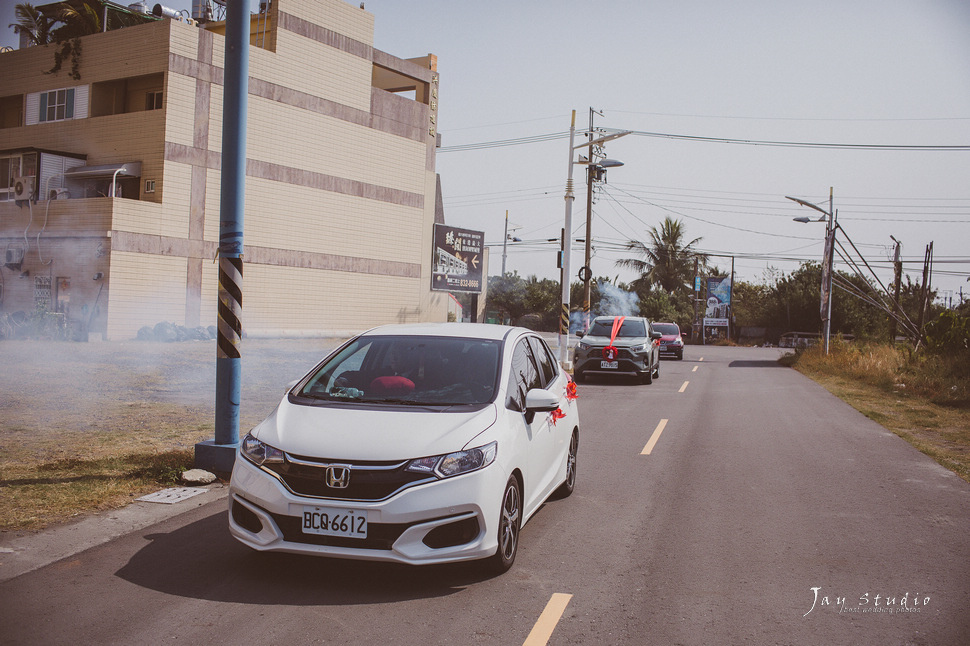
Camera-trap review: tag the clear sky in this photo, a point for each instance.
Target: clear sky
(877, 73)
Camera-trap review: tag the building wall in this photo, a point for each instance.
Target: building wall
(340, 177)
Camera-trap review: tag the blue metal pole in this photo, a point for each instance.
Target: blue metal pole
(219, 454)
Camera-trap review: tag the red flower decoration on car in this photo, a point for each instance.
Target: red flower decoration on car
(557, 415)
(571, 394)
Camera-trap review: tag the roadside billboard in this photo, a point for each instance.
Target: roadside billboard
(457, 262)
(718, 310)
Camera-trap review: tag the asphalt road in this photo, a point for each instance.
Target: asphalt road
(732, 501)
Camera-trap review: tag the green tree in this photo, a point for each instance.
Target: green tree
(667, 259)
(751, 303)
(34, 24)
(65, 23)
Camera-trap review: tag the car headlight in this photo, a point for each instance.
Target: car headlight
(259, 453)
(582, 345)
(457, 463)
(637, 349)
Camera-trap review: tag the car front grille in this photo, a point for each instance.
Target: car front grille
(596, 352)
(367, 481)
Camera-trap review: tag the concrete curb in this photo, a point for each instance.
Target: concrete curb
(22, 552)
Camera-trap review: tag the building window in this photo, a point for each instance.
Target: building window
(153, 100)
(57, 105)
(149, 186)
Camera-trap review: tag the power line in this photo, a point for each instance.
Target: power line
(799, 144)
(519, 141)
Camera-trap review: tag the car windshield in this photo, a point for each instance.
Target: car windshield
(630, 328)
(408, 370)
(666, 328)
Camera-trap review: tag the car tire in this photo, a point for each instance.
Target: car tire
(647, 377)
(569, 485)
(656, 372)
(509, 524)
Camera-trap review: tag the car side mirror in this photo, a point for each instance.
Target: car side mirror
(539, 400)
(655, 335)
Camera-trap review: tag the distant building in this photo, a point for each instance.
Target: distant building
(109, 185)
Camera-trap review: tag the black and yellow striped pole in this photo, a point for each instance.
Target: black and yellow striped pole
(219, 454)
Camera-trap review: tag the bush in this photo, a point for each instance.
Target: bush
(943, 379)
(949, 333)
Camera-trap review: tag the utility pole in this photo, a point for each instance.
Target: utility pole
(925, 289)
(898, 273)
(566, 256)
(697, 295)
(505, 241)
(219, 453)
(590, 176)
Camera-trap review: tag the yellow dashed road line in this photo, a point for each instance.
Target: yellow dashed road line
(653, 438)
(547, 621)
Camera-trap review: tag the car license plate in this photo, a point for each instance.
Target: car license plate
(328, 521)
(609, 365)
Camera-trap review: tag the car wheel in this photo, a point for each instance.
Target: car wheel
(656, 372)
(647, 377)
(567, 487)
(509, 524)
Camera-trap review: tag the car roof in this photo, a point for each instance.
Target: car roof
(466, 330)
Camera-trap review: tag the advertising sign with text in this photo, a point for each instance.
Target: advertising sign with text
(457, 262)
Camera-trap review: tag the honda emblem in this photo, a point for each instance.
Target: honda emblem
(338, 477)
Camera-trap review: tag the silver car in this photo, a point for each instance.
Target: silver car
(617, 345)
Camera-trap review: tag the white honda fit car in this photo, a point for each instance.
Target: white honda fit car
(419, 444)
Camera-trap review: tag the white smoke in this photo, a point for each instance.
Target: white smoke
(616, 302)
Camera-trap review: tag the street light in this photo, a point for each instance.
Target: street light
(829, 217)
(567, 239)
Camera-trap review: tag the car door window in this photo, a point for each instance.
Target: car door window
(547, 366)
(525, 376)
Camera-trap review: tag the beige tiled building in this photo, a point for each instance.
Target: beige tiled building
(340, 196)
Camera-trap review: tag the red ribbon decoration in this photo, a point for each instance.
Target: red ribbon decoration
(571, 394)
(609, 352)
(557, 415)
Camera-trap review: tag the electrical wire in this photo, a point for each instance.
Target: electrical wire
(518, 141)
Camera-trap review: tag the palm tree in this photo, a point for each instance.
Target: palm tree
(666, 261)
(35, 25)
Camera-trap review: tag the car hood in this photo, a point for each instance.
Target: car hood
(619, 342)
(355, 433)
(670, 337)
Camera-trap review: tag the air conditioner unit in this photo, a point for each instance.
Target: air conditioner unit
(23, 188)
(59, 194)
(13, 258)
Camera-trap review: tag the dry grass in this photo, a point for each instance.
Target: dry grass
(922, 398)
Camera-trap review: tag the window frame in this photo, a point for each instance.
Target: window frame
(62, 108)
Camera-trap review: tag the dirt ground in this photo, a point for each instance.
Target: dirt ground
(75, 400)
